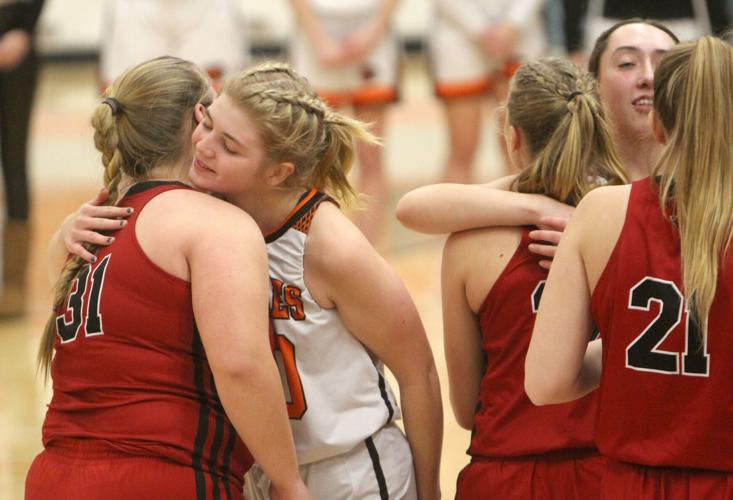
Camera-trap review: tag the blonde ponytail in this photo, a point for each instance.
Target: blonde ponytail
(556, 106)
(693, 98)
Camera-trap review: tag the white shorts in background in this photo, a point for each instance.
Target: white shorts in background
(380, 467)
(460, 67)
(371, 81)
(211, 33)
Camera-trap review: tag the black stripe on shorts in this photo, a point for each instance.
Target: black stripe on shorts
(383, 494)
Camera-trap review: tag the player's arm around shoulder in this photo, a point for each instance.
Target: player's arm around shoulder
(343, 270)
(472, 261)
(229, 285)
(447, 208)
(561, 365)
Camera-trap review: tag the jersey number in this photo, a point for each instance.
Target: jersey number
(642, 354)
(68, 330)
(285, 356)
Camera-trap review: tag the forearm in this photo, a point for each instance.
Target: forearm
(386, 10)
(467, 16)
(449, 208)
(423, 418)
(308, 21)
(254, 401)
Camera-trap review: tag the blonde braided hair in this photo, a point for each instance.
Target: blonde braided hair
(150, 125)
(555, 104)
(297, 126)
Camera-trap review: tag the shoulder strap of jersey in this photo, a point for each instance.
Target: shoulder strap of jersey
(301, 215)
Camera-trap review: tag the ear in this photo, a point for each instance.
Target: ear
(276, 173)
(515, 139)
(198, 113)
(655, 123)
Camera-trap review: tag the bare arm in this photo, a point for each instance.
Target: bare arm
(448, 208)
(461, 332)
(229, 283)
(364, 40)
(561, 365)
(377, 309)
(331, 52)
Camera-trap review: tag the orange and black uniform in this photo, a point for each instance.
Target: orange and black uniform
(520, 450)
(665, 416)
(135, 412)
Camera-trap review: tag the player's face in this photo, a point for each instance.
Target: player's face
(228, 154)
(626, 76)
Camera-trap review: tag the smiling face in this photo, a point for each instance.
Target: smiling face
(626, 76)
(229, 155)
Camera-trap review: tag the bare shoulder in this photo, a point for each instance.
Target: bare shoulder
(180, 224)
(337, 255)
(194, 214)
(478, 257)
(334, 243)
(604, 200)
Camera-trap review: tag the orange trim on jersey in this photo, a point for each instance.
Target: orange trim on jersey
(364, 95)
(463, 89)
(301, 203)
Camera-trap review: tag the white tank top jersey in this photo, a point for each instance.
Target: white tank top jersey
(336, 391)
(345, 7)
(473, 16)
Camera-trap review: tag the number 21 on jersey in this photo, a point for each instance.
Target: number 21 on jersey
(643, 353)
(70, 322)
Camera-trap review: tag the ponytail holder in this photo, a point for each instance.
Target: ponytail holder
(114, 105)
(572, 95)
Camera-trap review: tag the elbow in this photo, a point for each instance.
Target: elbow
(404, 211)
(243, 370)
(464, 415)
(545, 391)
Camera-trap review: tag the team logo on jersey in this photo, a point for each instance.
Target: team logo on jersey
(286, 301)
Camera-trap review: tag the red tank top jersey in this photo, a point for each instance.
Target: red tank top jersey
(130, 369)
(506, 423)
(665, 399)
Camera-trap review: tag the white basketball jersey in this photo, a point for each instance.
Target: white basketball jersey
(345, 7)
(336, 391)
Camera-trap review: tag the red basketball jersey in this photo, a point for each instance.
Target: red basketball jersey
(506, 423)
(666, 397)
(130, 369)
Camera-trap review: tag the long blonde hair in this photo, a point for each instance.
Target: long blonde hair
(555, 104)
(144, 120)
(693, 98)
(298, 126)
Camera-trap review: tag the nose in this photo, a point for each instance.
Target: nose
(203, 145)
(646, 78)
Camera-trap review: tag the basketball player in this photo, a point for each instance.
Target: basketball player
(270, 146)
(350, 54)
(650, 265)
(166, 329)
(211, 33)
(623, 62)
(475, 47)
(491, 285)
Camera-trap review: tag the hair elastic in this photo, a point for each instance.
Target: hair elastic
(114, 105)
(572, 95)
